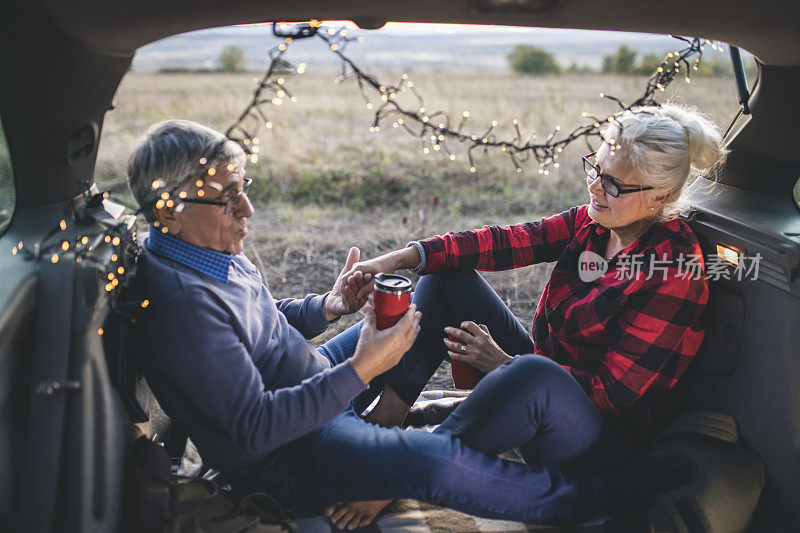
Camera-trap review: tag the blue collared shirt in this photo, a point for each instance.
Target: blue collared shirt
(211, 263)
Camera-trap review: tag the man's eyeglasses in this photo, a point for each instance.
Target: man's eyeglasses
(609, 183)
(231, 204)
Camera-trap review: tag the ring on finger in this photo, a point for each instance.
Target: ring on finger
(463, 348)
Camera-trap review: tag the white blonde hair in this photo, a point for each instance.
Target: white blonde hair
(668, 147)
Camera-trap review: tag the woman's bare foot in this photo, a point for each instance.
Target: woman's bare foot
(350, 515)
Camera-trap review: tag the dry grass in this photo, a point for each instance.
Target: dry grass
(326, 183)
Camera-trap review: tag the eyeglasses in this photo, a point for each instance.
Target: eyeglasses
(609, 183)
(231, 205)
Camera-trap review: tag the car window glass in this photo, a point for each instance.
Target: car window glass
(7, 194)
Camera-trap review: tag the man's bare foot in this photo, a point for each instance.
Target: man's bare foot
(390, 411)
(350, 515)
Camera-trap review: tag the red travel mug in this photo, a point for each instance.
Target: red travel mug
(392, 297)
(465, 376)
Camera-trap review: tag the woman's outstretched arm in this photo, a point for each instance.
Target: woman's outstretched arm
(488, 248)
(502, 248)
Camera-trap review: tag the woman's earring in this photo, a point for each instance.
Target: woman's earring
(652, 208)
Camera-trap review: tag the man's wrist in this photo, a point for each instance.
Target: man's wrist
(330, 317)
(362, 368)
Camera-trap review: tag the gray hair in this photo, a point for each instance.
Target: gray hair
(668, 147)
(169, 154)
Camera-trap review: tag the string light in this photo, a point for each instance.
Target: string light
(48, 248)
(419, 124)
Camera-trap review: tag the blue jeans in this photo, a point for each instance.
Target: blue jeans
(529, 402)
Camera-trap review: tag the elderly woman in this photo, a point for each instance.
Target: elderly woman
(603, 360)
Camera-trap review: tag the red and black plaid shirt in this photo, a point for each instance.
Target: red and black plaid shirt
(626, 337)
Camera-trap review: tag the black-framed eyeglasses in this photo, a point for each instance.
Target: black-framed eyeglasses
(231, 205)
(609, 183)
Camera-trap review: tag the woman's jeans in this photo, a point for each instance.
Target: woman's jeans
(530, 403)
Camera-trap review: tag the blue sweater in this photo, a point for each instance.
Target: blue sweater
(227, 362)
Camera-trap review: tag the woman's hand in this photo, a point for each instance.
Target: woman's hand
(475, 346)
(360, 279)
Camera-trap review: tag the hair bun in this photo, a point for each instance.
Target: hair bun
(705, 141)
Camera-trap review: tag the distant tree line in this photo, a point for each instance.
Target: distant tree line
(230, 59)
(532, 60)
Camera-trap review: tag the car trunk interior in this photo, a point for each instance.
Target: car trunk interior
(748, 366)
(62, 447)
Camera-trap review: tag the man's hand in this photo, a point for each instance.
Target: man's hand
(479, 348)
(378, 351)
(343, 298)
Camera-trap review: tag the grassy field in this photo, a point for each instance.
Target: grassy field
(325, 183)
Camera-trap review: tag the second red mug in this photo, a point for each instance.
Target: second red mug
(465, 376)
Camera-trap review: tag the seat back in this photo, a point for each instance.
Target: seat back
(749, 364)
(63, 428)
(16, 338)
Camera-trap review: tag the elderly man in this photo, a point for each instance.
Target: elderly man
(234, 368)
